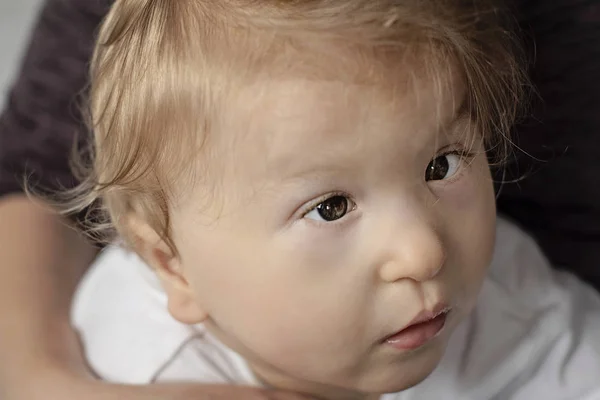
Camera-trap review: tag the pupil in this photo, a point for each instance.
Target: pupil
(437, 169)
(333, 208)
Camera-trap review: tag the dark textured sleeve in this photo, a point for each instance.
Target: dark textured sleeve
(558, 199)
(42, 118)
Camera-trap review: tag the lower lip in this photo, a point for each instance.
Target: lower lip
(417, 335)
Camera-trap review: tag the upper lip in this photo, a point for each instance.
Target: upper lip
(424, 316)
(427, 315)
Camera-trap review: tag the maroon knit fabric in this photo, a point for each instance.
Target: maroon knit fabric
(559, 201)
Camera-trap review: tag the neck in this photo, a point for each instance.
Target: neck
(312, 389)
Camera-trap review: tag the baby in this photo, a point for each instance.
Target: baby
(307, 186)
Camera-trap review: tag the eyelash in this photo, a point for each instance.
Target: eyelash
(465, 156)
(314, 204)
(459, 152)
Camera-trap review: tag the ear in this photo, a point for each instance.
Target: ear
(153, 249)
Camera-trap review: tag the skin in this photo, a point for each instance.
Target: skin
(43, 259)
(308, 302)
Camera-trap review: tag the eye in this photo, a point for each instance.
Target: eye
(331, 209)
(443, 167)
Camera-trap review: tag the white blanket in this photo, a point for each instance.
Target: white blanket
(535, 333)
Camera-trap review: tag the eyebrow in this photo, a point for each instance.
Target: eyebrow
(461, 112)
(465, 106)
(316, 171)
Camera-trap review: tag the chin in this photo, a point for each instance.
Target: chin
(413, 380)
(396, 377)
(404, 382)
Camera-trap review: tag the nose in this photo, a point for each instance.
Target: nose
(414, 251)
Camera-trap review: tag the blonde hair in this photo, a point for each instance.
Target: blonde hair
(162, 69)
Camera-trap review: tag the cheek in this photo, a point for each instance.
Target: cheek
(471, 229)
(280, 300)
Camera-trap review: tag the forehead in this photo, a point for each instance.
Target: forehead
(278, 120)
(289, 131)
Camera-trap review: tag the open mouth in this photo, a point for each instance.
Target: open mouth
(425, 327)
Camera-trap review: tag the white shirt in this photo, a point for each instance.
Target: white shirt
(535, 333)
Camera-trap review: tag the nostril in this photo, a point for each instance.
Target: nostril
(418, 263)
(389, 272)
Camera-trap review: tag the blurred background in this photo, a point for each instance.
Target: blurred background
(16, 18)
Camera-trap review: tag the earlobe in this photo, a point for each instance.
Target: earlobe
(182, 302)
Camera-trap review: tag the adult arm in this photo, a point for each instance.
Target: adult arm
(42, 258)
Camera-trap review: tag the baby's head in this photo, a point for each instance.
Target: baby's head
(307, 177)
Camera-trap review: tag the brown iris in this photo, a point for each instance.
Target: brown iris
(333, 208)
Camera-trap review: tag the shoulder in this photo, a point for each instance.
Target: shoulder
(121, 314)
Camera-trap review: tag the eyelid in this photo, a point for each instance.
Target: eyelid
(314, 203)
(465, 158)
(457, 149)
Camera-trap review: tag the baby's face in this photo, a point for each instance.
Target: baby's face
(337, 215)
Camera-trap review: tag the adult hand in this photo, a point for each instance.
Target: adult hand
(55, 384)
